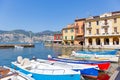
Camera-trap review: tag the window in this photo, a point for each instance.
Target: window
(66, 31)
(106, 22)
(97, 31)
(65, 37)
(105, 15)
(106, 30)
(97, 22)
(56, 37)
(89, 24)
(89, 31)
(77, 25)
(60, 37)
(72, 37)
(72, 30)
(115, 29)
(82, 29)
(76, 31)
(115, 20)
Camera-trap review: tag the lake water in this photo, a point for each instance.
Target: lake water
(10, 54)
(40, 51)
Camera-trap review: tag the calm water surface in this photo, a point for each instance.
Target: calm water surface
(8, 55)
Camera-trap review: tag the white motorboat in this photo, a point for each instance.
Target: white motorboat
(18, 47)
(42, 71)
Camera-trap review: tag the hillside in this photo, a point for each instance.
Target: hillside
(24, 36)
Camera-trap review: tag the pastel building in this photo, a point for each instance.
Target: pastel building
(79, 31)
(103, 30)
(73, 34)
(68, 34)
(58, 38)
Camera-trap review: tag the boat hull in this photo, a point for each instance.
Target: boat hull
(90, 72)
(103, 65)
(97, 55)
(37, 76)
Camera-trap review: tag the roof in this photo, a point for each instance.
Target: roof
(82, 19)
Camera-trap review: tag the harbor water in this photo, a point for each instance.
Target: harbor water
(7, 55)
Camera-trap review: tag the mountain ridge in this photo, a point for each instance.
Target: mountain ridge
(20, 35)
(21, 31)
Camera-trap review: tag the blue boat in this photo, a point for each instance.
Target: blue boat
(103, 52)
(44, 72)
(110, 55)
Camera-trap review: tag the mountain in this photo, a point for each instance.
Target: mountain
(24, 36)
(47, 32)
(1, 31)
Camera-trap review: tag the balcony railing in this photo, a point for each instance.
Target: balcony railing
(79, 38)
(105, 33)
(115, 32)
(79, 34)
(102, 34)
(89, 27)
(105, 25)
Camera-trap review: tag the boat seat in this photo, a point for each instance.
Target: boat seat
(47, 71)
(25, 62)
(19, 59)
(61, 71)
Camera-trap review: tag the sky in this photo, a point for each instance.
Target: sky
(40, 15)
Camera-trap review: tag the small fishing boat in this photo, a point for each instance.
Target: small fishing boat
(44, 72)
(103, 65)
(86, 70)
(101, 52)
(7, 73)
(101, 56)
(18, 47)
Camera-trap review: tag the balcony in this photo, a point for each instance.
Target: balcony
(105, 25)
(88, 27)
(115, 32)
(81, 38)
(79, 34)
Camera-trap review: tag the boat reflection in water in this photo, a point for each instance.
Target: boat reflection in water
(103, 76)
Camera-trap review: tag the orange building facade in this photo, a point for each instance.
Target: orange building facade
(79, 33)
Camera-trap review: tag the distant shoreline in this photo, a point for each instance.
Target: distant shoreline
(13, 45)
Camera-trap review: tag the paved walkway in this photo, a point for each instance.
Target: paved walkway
(118, 75)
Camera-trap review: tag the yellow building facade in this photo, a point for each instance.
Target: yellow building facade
(68, 34)
(103, 30)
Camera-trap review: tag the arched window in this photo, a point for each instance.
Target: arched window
(106, 41)
(115, 41)
(90, 41)
(98, 41)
